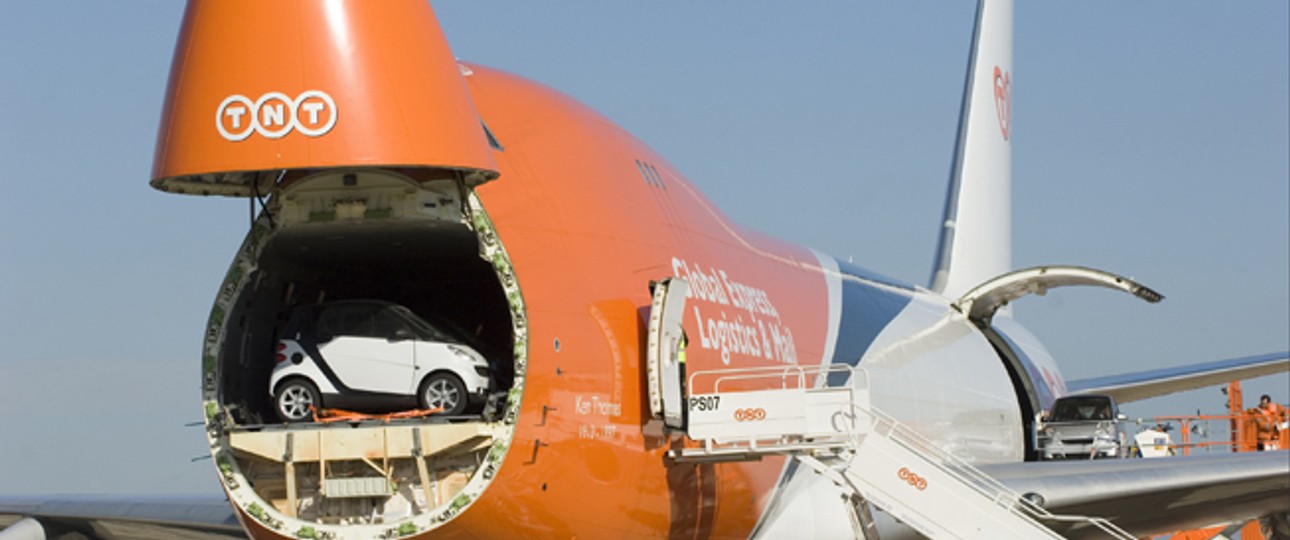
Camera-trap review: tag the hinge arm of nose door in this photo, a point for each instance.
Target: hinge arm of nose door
(981, 303)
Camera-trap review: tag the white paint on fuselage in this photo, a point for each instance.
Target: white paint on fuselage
(833, 295)
(932, 370)
(1040, 358)
(807, 506)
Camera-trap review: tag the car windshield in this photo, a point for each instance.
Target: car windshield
(1078, 409)
(378, 320)
(421, 329)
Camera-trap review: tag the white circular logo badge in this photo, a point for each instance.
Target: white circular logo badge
(274, 115)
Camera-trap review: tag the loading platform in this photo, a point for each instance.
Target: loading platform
(746, 414)
(361, 466)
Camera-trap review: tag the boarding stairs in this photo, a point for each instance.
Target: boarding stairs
(745, 414)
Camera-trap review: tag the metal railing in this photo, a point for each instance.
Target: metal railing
(797, 377)
(998, 493)
(793, 376)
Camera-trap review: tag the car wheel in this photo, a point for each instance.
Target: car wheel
(444, 390)
(294, 400)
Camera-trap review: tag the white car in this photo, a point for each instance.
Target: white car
(372, 356)
(1083, 427)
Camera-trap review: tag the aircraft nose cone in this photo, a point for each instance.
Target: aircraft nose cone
(308, 84)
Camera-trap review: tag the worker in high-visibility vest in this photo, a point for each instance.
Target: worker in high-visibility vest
(1268, 422)
(680, 364)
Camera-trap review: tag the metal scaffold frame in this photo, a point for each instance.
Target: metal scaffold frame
(745, 414)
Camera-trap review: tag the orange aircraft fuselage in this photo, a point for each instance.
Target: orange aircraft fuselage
(587, 216)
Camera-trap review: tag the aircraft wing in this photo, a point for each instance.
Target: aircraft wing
(1144, 496)
(119, 518)
(1159, 382)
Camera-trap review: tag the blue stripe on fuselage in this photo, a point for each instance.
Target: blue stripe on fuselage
(869, 303)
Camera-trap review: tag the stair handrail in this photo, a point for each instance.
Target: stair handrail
(887, 426)
(795, 372)
(986, 485)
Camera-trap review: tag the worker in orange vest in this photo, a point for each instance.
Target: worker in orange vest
(1268, 422)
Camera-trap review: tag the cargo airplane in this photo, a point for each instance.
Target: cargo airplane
(622, 314)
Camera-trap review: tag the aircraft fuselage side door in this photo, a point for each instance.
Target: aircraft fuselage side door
(665, 353)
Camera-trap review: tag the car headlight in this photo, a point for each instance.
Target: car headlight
(466, 355)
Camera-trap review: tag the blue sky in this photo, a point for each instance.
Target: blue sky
(1150, 139)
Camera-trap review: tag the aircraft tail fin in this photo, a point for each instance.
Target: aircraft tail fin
(976, 233)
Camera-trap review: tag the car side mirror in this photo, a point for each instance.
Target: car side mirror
(1121, 416)
(402, 334)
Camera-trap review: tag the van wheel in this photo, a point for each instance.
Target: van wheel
(294, 399)
(444, 390)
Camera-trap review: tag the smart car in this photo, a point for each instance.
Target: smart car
(1083, 427)
(373, 356)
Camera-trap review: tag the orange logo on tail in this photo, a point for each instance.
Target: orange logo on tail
(1003, 100)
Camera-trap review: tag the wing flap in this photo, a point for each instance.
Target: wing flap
(115, 517)
(1150, 496)
(1158, 382)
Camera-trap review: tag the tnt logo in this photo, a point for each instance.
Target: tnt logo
(313, 113)
(1003, 100)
